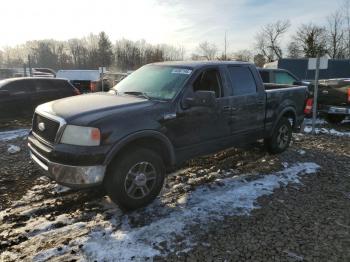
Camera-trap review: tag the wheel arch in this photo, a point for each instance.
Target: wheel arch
(288, 112)
(150, 139)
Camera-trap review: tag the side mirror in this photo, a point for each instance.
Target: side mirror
(201, 99)
(4, 93)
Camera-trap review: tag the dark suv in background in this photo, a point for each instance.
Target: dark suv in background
(20, 96)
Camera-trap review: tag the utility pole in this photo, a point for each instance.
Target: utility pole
(30, 66)
(225, 50)
(102, 84)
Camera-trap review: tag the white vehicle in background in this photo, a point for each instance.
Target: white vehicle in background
(85, 80)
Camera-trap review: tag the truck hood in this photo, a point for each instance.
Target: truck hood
(92, 106)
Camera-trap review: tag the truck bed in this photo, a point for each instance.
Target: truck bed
(295, 96)
(272, 86)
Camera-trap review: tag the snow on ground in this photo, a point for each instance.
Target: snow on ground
(323, 130)
(111, 235)
(326, 131)
(13, 134)
(319, 121)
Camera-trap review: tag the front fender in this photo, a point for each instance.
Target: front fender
(138, 135)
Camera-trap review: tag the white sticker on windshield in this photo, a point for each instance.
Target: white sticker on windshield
(181, 71)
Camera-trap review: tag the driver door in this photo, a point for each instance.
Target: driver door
(199, 129)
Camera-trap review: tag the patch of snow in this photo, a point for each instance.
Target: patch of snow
(13, 134)
(204, 205)
(61, 189)
(13, 149)
(301, 152)
(326, 131)
(319, 121)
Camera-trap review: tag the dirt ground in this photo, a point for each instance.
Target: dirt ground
(237, 205)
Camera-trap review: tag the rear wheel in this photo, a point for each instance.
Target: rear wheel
(281, 137)
(335, 119)
(135, 178)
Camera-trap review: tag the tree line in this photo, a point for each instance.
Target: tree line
(88, 52)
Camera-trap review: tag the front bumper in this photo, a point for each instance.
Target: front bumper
(68, 175)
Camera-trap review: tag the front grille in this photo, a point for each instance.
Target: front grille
(50, 130)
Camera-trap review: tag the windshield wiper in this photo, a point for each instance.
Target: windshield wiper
(137, 93)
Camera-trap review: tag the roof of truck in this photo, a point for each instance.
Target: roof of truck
(196, 64)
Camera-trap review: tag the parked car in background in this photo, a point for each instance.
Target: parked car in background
(20, 96)
(158, 117)
(114, 78)
(334, 99)
(85, 80)
(278, 76)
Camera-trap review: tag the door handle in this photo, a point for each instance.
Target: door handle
(234, 108)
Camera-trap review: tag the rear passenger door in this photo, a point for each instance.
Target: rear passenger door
(247, 102)
(18, 102)
(45, 92)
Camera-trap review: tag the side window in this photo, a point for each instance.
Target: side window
(265, 76)
(208, 81)
(284, 78)
(44, 85)
(242, 80)
(68, 85)
(18, 87)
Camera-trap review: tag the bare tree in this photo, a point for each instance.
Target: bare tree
(243, 55)
(294, 50)
(2, 61)
(335, 35)
(207, 50)
(259, 60)
(268, 40)
(346, 15)
(311, 39)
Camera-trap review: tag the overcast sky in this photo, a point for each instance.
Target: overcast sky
(176, 22)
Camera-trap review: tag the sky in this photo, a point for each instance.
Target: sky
(175, 22)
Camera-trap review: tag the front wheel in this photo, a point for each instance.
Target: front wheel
(135, 178)
(281, 137)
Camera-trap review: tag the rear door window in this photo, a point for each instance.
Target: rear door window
(64, 85)
(19, 87)
(284, 78)
(44, 85)
(243, 82)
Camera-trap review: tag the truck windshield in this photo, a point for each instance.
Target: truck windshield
(154, 82)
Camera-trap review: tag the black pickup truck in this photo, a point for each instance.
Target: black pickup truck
(334, 99)
(155, 119)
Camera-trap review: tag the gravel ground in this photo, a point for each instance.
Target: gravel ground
(309, 221)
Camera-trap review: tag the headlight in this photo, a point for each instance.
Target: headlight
(81, 136)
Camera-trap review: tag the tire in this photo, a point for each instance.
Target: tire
(135, 178)
(335, 119)
(281, 137)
